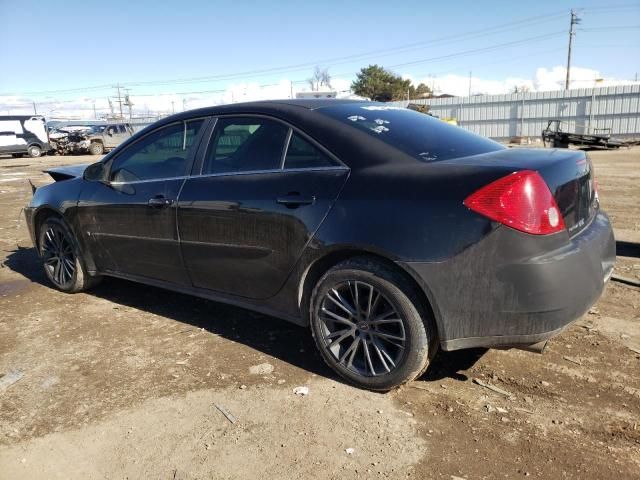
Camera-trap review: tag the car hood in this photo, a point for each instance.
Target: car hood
(65, 173)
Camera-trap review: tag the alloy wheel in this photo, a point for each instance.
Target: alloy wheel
(59, 258)
(362, 329)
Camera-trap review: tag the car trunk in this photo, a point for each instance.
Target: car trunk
(568, 173)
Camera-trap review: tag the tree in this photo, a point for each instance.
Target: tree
(320, 78)
(422, 91)
(379, 84)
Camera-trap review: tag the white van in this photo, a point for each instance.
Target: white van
(20, 134)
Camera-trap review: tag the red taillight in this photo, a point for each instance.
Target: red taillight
(522, 201)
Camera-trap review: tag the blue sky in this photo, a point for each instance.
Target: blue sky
(59, 45)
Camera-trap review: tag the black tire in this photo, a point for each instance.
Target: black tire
(376, 364)
(96, 148)
(62, 261)
(34, 151)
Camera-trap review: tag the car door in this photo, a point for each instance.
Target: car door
(115, 135)
(130, 220)
(262, 193)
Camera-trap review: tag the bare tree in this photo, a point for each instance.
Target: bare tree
(320, 78)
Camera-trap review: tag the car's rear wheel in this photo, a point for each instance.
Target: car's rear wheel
(61, 257)
(369, 326)
(96, 148)
(34, 151)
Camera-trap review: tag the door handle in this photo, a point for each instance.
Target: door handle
(295, 200)
(160, 202)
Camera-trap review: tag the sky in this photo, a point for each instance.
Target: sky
(67, 55)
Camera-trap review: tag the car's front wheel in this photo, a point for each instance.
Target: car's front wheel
(369, 325)
(63, 264)
(96, 148)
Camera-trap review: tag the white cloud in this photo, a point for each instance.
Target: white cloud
(543, 80)
(554, 78)
(459, 85)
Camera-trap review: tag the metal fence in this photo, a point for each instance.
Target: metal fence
(614, 110)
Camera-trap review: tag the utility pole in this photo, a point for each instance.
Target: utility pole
(117, 87)
(184, 104)
(572, 33)
(127, 101)
(35, 112)
(469, 82)
(173, 107)
(95, 115)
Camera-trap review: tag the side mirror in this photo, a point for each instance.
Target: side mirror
(96, 172)
(110, 132)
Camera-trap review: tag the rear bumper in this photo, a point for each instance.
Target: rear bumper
(514, 289)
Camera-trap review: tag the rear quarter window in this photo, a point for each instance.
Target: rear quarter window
(419, 135)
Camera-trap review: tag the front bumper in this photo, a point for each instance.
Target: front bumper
(514, 289)
(28, 215)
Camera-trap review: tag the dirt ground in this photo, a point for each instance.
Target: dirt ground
(130, 381)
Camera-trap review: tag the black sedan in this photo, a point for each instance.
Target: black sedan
(388, 232)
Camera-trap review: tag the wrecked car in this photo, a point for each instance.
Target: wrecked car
(95, 140)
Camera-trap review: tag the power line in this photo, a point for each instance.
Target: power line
(334, 61)
(477, 50)
(627, 6)
(350, 58)
(438, 73)
(613, 27)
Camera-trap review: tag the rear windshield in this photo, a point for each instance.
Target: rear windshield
(423, 137)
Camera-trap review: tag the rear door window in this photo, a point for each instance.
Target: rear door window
(242, 144)
(302, 154)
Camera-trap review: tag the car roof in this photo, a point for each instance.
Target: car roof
(308, 103)
(265, 106)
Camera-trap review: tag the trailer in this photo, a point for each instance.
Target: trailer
(555, 137)
(23, 134)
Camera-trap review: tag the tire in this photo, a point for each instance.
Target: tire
(62, 262)
(34, 151)
(96, 148)
(390, 349)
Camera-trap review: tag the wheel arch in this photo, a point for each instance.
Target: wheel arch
(40, 216)
(323, 263)
(47, 211)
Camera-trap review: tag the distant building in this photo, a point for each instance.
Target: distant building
(347, 94)
(319, 94)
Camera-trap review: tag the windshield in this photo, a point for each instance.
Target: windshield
(417, 134)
